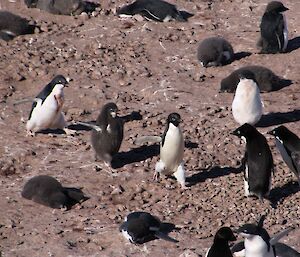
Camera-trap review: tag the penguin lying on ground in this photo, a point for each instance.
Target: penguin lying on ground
(171, 150)
(266, 80)
(107, 133)
(220, 247)
(259, 244)
(63, 7)
(141, 227)
(215, 51)
(273, 29)
(288, 145)
(246, 105)
(48, 191)
(258, 162)
(46, 111)
(157, 10)
(12, 25)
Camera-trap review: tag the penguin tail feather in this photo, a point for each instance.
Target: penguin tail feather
(147, 139)
(163, 236)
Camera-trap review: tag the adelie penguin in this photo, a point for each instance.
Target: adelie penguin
(266, 79)
(141, 227)
(157, 10)
(288, 145)
(273, 29)
(171, 150)
(12, 25)
(258, 243)
(247, 106)
(258, 162)
(48, 191)
(46, 111)
(220, 247)
(107, 133)
(215, 51)
(62, 7)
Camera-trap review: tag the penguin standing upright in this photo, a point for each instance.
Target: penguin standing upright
(46, 110)
(258, 161)
(273, 29)
(288, 145)
(220, 247)
(107, 135)
(157, 10)
(247, 106)
(215, 51)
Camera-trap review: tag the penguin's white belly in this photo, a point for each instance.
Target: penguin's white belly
(171, 153)
(246, 108)
(257, 247)
(45, 115)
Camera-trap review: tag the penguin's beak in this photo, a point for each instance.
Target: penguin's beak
(271, 132)
(285, 9)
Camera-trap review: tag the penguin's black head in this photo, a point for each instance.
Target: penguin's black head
(60, 79)
(126, 10)
(111, 110)
(244, 130)
(174, 118)
(249, 230)
(246, 74)
(279, 131)
(225, 233)
(276, 6)
(31, 3)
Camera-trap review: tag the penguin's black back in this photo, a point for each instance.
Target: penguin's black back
(156, 10)
(290, 140)
(12, 25)
(260, 162)
(266, 80)
(106, 142)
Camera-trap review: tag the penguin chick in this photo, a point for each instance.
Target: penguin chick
(12, 25)
(288, 145)
(258, 161)
(266, 80)
(48, 191)
(107, 139)
(220, 247)
(215, 51)
(247, 106)
(141, 227)
(171, 151)
(65, 7)
(273, 29)
(46, 110)
(259, 244)
(156, 10)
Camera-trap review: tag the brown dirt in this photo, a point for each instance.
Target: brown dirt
(152, 68)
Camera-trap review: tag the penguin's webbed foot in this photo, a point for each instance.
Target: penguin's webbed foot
(156, 176)
(30, 133)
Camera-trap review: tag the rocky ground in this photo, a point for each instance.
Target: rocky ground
(150, 68)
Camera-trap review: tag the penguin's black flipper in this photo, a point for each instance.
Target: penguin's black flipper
(280, 235)
(89, 125)
(164, 236)
(6, 35)
(238, 249)
(284, 250)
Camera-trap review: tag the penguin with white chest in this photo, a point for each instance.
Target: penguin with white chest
(258, 162)
(220, 247)
(288, 145)
(171, 150)
(46, 111)
(273, 29)
(246, 105)
(140, 227)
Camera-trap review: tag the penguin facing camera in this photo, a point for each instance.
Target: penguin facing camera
(48, 191)
(288, 145)
(258, 162)
(12, 25)
(156, 10)
(171, 150)
(215, 51)
(273, 29)
(46, 111)
(220, 247)
(266, 79)
(141, 227)
(246, 105)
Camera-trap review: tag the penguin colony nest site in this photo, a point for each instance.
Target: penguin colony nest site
(150, 68)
